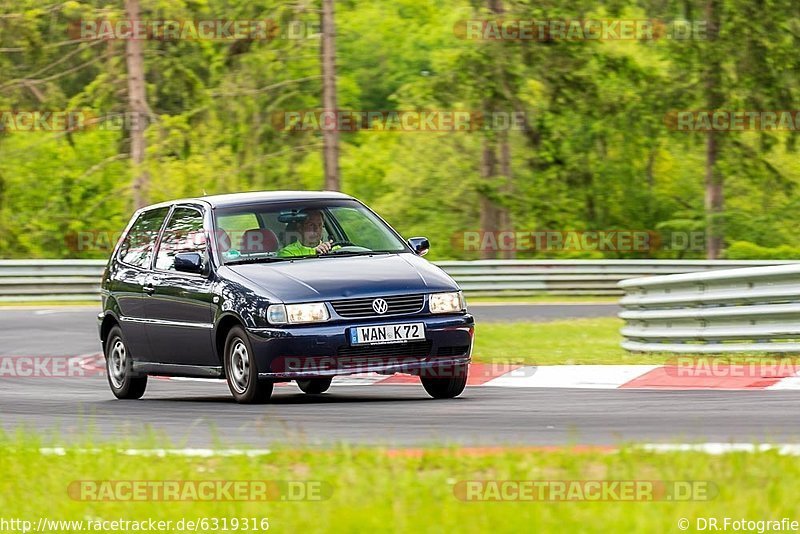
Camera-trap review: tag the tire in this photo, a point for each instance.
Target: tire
(314, 386)
(449, 386)
(241, 370)
(119, 371)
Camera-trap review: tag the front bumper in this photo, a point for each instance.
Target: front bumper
(319, 350)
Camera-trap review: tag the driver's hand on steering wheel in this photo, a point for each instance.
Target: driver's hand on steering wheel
(324, 248)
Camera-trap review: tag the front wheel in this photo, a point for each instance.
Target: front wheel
(124, 385)
(450, 385)
(314, 386)
(241, 371)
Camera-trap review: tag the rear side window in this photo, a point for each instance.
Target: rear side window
(239, 222)
(137, 247)
(184, 233)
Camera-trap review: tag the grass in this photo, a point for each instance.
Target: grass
(583, 342)
(574, 341)
(376, 490)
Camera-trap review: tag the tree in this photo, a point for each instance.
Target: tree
(595, 155)
(137, 110)
(330, 136)
(714, 100)
(745, 61)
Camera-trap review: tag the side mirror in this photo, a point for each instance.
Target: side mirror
(189, 262)
(420, 245)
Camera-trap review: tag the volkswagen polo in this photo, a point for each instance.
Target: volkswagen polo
(267, 287)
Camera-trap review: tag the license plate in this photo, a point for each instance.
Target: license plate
(389, 333)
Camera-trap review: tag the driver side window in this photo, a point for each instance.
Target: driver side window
(360, 230)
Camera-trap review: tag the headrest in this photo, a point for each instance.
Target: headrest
(259, 240)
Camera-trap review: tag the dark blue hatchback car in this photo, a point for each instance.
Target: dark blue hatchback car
(261, 288)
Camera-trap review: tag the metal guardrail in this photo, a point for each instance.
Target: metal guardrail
(570, 277)
(50, 280)
(736, 310)
(72, 280)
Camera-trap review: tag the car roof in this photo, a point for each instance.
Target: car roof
(253, 197)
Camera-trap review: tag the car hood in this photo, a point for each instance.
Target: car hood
(346, 277)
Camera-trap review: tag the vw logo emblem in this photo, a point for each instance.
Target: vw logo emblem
(380, 306)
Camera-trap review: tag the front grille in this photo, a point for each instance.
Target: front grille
(452, 351)
(397, 350)
(398, 305)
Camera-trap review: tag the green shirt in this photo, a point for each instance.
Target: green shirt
(296, 249)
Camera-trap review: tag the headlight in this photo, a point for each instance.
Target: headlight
(314, 312)
(446, 302)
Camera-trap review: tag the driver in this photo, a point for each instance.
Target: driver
(310, 242)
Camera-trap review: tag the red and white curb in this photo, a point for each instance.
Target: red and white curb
(664, 377)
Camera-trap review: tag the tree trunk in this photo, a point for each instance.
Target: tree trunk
(330, 136)
(137, 110)
(488, 211)
(492, 216)
(503, 215)
(714, 201)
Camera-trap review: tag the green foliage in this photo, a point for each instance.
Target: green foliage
(742, 250)
(597, 154)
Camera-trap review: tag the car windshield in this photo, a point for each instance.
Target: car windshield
(288, 231)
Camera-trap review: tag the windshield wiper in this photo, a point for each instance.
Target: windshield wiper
(269, 259)
(356, 253)
(337, 255)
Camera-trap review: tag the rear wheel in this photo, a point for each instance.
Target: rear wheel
(450, 384)
(124, 385)
(241, 370)
(314, 386)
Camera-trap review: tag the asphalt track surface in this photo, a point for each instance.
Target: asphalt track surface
(73, 330)
(202, 414)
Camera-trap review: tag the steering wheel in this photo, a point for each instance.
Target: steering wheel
(347, 246)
